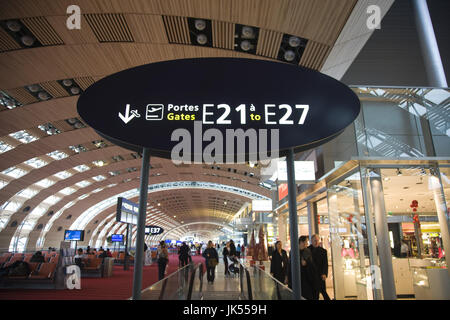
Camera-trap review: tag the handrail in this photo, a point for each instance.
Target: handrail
(191, 284)
(270, 276)
(249, 285)
(243, 269)
(192, 279)
(163, 282)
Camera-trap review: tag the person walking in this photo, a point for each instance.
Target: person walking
(226, 253)
(279, 263)
(233, 252)
(212, 259)
(308, 273)
(404, 249)
(320, 259)
(183, 254)
(163, 259)
(238, 251)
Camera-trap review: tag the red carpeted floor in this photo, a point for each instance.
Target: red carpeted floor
(117, 287)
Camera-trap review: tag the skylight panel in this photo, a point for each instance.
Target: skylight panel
(36, 163)
(23, 136)
(57, 155)
(81, 168)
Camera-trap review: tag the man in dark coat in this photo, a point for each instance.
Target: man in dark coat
(320, 259)
(184, 254)
(308, 273)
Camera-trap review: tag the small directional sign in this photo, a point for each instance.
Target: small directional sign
(127, 117)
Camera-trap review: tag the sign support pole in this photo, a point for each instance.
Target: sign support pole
(293, 226)
(139, 256)
(125, 259)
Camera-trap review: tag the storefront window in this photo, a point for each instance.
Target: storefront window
(348, 239)
(412, 199)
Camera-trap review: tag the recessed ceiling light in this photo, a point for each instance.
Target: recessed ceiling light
(289, 55)
(246, 45)
(248, 32)
(27, 40)
(75, 90)
(43, 95)
(202, 39)
(200, 24)
(13, 25)
(34, 88)
(294, 41)
(67, 82)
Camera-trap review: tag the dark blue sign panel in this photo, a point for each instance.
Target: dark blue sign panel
(74, 235)
(153, 230)
(144, 106)
(127, 211)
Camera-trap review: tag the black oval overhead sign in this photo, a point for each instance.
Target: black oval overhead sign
(153, 230)
(209, 107)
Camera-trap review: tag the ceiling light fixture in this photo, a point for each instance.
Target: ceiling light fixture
(43, 95)
(200, 24)
(294, 41)
(27, 40)
(13, 25)
(289, 55)
(246, 45)
(202, 39)
(67, 82)
(248, 32)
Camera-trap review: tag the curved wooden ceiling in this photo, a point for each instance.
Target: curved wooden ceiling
(117, 35)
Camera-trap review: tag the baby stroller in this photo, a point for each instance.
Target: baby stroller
(232, 266)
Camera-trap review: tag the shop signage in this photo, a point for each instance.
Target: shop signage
(213, 109)
(261, 205)
(304, 172)
(153, 230)
(282, 191)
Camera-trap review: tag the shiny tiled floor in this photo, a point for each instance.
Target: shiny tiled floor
(223, 288)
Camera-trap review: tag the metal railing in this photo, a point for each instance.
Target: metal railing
(176, 286)
(265, 287)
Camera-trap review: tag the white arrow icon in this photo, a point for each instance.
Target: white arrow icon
(127, 117)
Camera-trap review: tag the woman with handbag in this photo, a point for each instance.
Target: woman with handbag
(212, 259)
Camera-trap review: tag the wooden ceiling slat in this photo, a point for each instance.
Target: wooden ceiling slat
(223, 35)
(74, 36)
(36, 114)
(54, 88)
(314, 55)
(84, 82)
(147, 28)
(94, 59)
(43, 31)
(269, 43)
(316, 20)
(7, 42)
(21, 95)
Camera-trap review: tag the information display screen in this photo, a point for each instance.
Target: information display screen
(117, 238)
(127, 211)
(74, 235)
